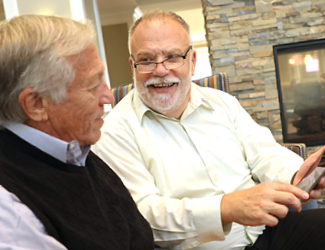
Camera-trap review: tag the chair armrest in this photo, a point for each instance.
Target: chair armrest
(298, 148)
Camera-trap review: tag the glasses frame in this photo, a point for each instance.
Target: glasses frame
(162, 62)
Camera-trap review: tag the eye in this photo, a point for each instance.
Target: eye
(94, 88)
(172, 56)
(144, 60)
(96, 84)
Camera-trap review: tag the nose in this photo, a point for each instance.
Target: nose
(160, 70)
(106, 96)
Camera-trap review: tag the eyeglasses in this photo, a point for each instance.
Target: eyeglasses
(171, 62)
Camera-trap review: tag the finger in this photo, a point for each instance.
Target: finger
(321, 183)
(313, 160)
(309, 165)
(279, 211)
(316, 194)
(263, 217)
(287, 199)
(288, 188)
(271, 220)
(299, 176)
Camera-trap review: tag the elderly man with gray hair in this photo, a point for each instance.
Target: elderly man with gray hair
(54, 192)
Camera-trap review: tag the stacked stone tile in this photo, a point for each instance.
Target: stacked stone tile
(241, 35)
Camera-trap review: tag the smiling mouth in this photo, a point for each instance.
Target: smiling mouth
(163, 85)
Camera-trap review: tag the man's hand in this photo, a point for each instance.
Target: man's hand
(263, 204)
(306, 168)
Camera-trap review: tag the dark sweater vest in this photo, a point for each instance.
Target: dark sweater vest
(82, 207)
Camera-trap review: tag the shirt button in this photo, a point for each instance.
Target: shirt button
(71, 146)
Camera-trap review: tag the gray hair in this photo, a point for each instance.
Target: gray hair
(34, 53)
(158, 15)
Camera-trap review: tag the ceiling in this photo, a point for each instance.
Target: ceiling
(107, 6)
(117, 9)
(121, 11)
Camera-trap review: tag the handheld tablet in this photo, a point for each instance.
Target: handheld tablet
(309, 182)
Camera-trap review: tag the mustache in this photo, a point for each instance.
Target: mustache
(159, 80)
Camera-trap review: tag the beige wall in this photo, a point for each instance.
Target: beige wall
(117, 55)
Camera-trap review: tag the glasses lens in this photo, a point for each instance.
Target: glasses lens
(146, 67)
(174, 62)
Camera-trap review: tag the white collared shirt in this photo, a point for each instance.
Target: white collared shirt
(20, 229)
(178, 170)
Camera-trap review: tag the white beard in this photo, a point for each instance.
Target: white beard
(164, 103)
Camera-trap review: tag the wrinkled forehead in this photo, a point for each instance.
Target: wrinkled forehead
(87, 65)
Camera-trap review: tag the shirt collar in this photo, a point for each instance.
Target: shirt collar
(66, 152)
(196, 100)
(139, 107)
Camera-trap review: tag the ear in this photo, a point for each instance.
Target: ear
(33, 105)
(131, 63)
(193, 62)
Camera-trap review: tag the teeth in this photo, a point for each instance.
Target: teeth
(163, 85)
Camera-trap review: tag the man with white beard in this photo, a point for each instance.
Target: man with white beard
(201, 171)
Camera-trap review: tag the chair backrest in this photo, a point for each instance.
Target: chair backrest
(298, 148)
(218, 81)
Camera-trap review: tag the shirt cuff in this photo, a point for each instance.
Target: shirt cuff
(207, 219)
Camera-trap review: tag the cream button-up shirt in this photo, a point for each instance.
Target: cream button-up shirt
(178, 170)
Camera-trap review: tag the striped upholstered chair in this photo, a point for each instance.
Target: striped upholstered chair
(218, 81)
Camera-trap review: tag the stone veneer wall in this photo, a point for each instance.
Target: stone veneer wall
(241, 35)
